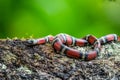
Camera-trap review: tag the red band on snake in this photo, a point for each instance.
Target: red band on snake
(61, 41)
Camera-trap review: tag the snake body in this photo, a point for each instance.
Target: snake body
(61, 42)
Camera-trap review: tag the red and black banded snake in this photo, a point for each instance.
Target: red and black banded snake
(61, 41)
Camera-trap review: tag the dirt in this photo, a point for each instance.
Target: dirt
(20, 61)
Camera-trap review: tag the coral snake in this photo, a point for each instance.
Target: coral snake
(61, 42)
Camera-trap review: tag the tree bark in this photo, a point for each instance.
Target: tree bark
(19, 60)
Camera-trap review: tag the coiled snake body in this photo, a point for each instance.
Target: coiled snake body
(61, 41)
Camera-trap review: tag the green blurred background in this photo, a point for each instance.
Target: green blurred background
(38, 18)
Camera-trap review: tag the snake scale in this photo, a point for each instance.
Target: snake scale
(62, 41)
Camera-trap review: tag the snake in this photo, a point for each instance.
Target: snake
(62, 41)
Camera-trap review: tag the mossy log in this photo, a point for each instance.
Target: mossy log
(19, 61)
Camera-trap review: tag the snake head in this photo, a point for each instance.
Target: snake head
(32, 41)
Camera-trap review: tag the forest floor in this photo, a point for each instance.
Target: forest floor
(19, 61)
